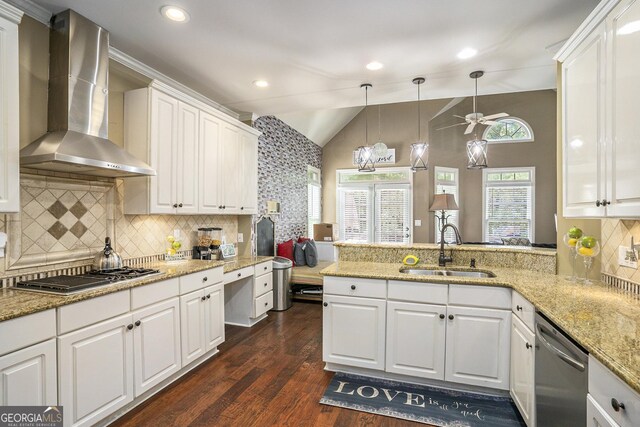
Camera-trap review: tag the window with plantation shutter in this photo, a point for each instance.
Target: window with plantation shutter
(446, 181)
(509, 196)
(392, 215)
(355, 214)
(314, 196)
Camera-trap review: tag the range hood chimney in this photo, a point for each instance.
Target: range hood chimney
(76, 140)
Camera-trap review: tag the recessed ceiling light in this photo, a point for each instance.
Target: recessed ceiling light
(375, 65)
(261, 83)
(467, 52)
(174, 13)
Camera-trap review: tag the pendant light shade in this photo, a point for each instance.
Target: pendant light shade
(420, 149)
(380, 149)
(477, 153)
(365, 155)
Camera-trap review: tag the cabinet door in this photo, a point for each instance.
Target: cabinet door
(164, 151)
(192, 326)
(416, 339)
(522, 377)
(583, 118)
(156, 344)
(214, 316)
(596, 416)
(623, 92)
(210, 150)
(353, 331)
(28, 376)
(9, 137)
(249, 176)
(478, 346)
(95, 370)
(187, 160)
(230, 178)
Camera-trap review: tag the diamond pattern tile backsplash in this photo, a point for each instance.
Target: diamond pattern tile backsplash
(616, 233)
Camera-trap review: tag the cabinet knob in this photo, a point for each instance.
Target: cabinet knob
(265, 267)
(519, 307)
(205, 278)
(604, 202)
(241, 208)
(175, 205)
(209, 296)
(138, 323)
(442, 316)
(266, 304)
(616, 405)
(239, 274)
(528, 346)
(353, 287)
(129, 327)
(220, 207)
(451, 317)
(325, 304)
(179, 205)
(203, 298)
(224, 207)
(265, 285)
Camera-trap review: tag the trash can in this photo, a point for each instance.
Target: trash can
(281, 283)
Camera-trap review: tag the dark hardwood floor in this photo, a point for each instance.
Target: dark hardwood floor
(268, 375)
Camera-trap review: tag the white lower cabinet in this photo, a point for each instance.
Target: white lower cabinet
(156, 337)
(201, 322)
(214, 315)
(522, 377)
(596, 416)
(353, 331)
(416, 339)
(28, 376)
(95, 370)
(477, 350)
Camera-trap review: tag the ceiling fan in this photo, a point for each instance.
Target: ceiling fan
(476, 118)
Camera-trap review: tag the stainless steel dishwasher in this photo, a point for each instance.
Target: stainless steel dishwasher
(561, 374)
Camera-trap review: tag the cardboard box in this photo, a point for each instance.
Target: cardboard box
(325, 232)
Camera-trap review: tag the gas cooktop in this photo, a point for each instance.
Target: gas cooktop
(66, 284)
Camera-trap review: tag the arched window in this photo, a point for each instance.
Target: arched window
(508, 129)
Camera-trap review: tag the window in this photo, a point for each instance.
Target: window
(508, 201)
(375, 207)
(314, 198)
(446, 181)
(509, 129)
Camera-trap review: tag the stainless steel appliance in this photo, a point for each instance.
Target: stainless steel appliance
(77, 138)
(67, 285)
(282, 283)
(107, 259)
(561, 377)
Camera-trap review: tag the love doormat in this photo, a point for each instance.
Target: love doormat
(420, 403)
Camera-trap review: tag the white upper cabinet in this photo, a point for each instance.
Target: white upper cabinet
(203, 162)
(9, 137)
(599, 90)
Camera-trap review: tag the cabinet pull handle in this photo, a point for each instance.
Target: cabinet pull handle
(528, 346)
(129, 327)
(175, 205)
(209, 296)
(325, 304)
(451, 317)
(203, 298)
(616, 405)
(519, 307)
(179, 205)
(442, 316)
(353, 287)
(138, 323)
(205, 278)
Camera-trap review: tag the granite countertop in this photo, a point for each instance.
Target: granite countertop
(604, 320)
(16, 303)
(463, 247)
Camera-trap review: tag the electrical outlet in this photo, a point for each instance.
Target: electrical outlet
(625, 256)
(417, 222)
(240, 237)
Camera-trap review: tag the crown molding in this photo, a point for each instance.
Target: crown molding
(10, 12)
(29, 8)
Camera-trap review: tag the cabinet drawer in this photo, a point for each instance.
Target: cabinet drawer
(523, 309)
(263, 303)
(264, 267)
(84, 313)
(27, 330)
(604, 386)
(201, 279)
(357, 287)
(262, 284)
(155, 292)
(243, 273)
(480, 296)
(432, 293)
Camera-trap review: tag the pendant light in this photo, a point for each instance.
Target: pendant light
(476, 148)
(380, 149)
(365, 156)
(419, 156)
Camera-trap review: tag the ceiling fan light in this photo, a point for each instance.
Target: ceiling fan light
(477, 154)
(365, 159)
(419, 156)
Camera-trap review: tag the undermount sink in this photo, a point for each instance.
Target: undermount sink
(451, 273)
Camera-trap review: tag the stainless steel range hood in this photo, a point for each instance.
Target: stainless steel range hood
(77, 138)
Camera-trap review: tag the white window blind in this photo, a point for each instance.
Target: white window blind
(446, 181)
(392, 215)
(508, 203)
(355, 214)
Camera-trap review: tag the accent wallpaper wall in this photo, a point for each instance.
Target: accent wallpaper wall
(283, 156)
